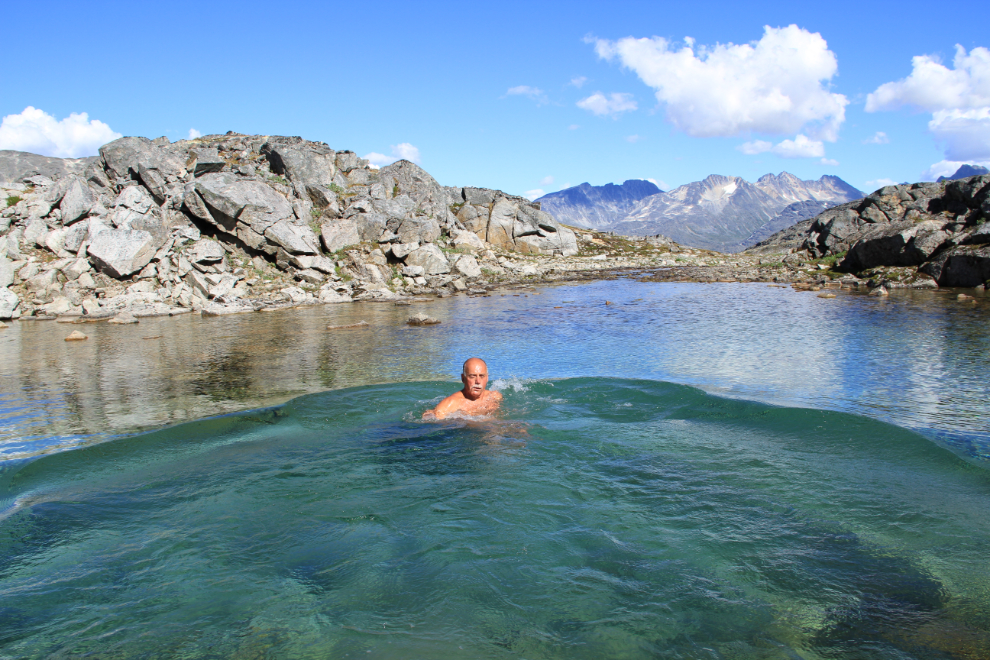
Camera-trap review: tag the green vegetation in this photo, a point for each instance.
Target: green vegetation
(12, 199)
(278, 179)
(395, 190)
(335, 188)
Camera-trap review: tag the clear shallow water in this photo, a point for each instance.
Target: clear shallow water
(918, 359)
(597, 518)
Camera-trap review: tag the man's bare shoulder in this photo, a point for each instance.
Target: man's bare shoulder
(495, 395)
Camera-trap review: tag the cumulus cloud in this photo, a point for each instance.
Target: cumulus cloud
(878, 138)
(958, 98)
(38, 132)
(579, 81)
(932, 86)
(755, 147)
(800, 147)
(400, 151)
(534, 93)
(777, 85)
(193, 134)
(614, 104)
(533, 194)
(830, 162)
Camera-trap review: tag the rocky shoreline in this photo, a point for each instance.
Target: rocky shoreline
(235, 223)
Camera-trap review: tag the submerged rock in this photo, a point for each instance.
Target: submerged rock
(422, 319)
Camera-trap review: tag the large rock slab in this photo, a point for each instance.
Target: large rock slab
(294, 238)
(339, 234)
(6, 273)
(122, 252)
(430, 258)
(501, 223)
(963, 265)
(418, 229)
(230, 199)
(17, 166)
(468, 267)
(406, 178)
(300, 161)
(77, 201)
(205, 250)
(903, 243)
(125, 158)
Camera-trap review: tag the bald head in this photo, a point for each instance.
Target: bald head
(474, 365)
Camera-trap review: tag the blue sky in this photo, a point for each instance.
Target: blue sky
(520, 96)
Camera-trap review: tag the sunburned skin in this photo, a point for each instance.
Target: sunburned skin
(474, 399)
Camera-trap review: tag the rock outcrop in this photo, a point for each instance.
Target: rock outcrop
(942, 229)
(152, 226)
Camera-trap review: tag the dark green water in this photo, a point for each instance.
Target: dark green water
(596, 518)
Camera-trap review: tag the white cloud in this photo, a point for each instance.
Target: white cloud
(534, 93)
(614, 104)
(573, 127)
(755, 147)
(878, 138)
(876, 184)
(662, 185)
(193, 134)
(400, 151)
(38, 132)
(579, 81)
(958, 98)
(948, 168)
(831, 162)
(546, 181)
(932, 86)
(633, 139)
(533, 194)
(963, 133)
(777, 85)
(800, 147)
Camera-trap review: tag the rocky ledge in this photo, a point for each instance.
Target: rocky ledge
(929, 234)
(236, 222)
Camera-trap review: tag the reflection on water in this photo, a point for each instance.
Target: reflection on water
(917, 359)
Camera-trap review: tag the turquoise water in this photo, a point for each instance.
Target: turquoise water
(598, 517)
(691, 471)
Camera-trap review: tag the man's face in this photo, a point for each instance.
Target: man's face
(475, 378)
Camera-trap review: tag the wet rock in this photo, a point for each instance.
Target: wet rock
(421, 319)
(123, 318)
(122, 252)
(217, 309)
(76, 336)
(880, 291)
(359, 325)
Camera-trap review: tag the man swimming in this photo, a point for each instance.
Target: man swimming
(474, 399)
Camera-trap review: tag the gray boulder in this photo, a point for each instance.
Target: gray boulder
(229, 200)
(339, 234)
(77, 201)
(501, 223)
(9, 302)
(370, 226)
(6, 273)
(295, 239)
(431, 258)
(300, 161)
(18, 166)
(418, 229)
(125, 157)
(204, 161)
(406, 178)
(205, 250)
(75, 236)
(963, 265)
(122, 252)
(468, 267)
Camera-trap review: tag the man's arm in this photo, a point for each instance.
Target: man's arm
(447, 406)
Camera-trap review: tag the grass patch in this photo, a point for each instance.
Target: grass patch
(278, 179)
(336, 188)
(12, 199)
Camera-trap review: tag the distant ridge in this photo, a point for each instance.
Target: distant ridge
(724, 213)
(596, 206)
(963, 172)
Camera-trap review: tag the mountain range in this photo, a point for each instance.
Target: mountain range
(724, 213)
(963, 172)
